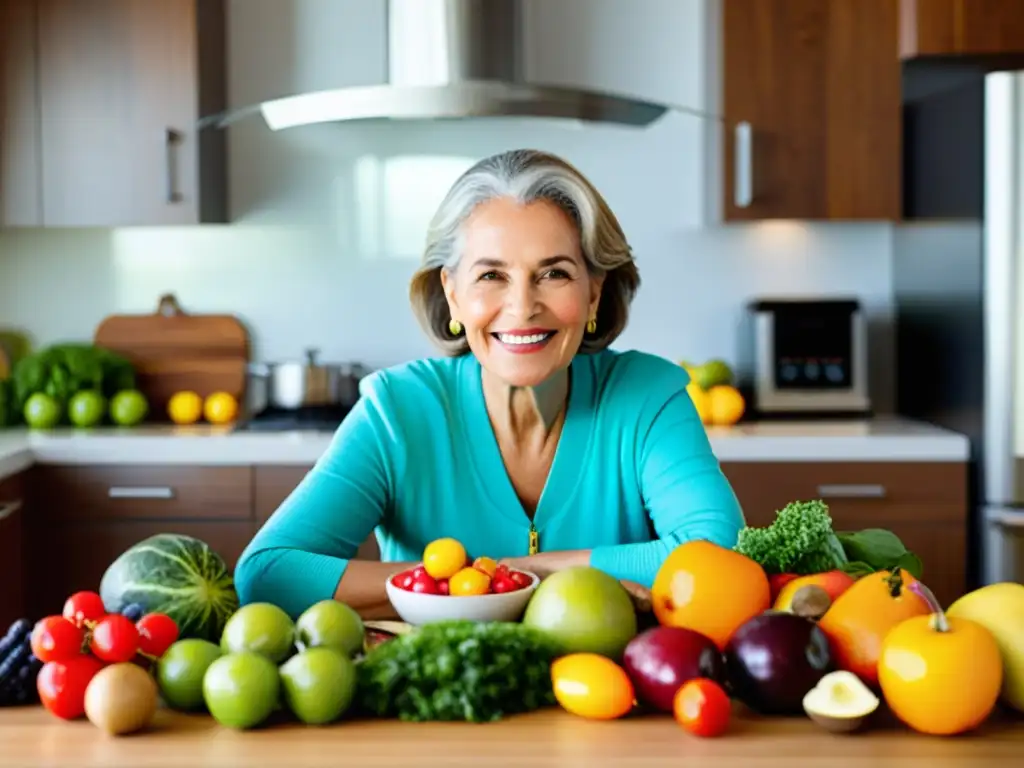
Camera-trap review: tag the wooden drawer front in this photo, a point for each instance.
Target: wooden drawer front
(100, 492)
(12, 549)
(273, 484)
(858, 495)
(924, 504)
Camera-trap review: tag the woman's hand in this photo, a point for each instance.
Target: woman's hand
(546, 563)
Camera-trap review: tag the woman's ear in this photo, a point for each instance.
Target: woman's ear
(448, 286)
(596, 284)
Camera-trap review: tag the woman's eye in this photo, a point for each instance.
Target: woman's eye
(488, 276)
(558, 274)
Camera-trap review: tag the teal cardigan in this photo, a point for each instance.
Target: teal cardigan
(416, 459)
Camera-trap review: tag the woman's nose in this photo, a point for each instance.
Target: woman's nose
(521, 298)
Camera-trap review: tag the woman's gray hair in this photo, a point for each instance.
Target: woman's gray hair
(527, 176)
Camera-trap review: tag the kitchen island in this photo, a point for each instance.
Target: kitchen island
(31, 736)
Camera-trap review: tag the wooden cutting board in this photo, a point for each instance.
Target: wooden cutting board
(173, 351)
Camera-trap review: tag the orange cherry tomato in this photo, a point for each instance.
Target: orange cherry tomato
(702, 707)
(443, 558)
(592, 686)
(940, 675)
(863, 615)
(469, 581)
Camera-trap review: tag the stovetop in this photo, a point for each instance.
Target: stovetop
(312, 419)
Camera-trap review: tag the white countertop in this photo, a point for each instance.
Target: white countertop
(873, 440)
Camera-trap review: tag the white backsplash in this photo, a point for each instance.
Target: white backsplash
(330, 219)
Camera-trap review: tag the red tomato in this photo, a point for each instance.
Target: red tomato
(403, 580)
(62, 684)
(702, 707)
(156, 633)
(55, 639)
(115, 639)
(502, 584)
(424, 584)
(501, 570)
(442, 586)
(84, 606)
(520, 578)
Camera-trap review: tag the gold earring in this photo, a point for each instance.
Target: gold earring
(592, 325)
(455, 327)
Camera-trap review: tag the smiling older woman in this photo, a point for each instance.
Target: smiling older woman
(529, 440)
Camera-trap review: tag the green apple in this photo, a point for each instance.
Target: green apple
(260, 627)
(241, 690)
(319, 684)
(180, 672)
(331, 624)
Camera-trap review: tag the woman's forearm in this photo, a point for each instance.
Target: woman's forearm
(362, 588)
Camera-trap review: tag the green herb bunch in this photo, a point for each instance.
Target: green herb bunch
(459, 670)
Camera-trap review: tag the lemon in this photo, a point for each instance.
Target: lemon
(185, 407)
(701, 401)
(220, 408)
(726, 405)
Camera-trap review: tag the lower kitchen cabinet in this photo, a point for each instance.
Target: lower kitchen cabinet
(85, 516)
(925, 504)
(273, 484)
(13, 497)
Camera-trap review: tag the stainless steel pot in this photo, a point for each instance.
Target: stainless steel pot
(295, 384)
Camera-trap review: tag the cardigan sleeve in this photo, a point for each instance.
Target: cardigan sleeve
(684, 490)
(299, 556)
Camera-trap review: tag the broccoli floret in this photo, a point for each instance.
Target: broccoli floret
(800, 540)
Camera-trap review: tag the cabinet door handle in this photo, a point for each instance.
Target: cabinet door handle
(854, 491)
(118, 492)
(172, 140)
(743, 188)
(8, 508)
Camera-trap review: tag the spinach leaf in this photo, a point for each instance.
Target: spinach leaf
(880, 549)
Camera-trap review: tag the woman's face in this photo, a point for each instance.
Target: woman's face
(521, 289)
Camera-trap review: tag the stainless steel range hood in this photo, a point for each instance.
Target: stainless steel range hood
(454, 59)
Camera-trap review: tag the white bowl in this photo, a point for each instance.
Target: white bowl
(417, 608)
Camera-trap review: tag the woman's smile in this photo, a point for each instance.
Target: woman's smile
(524, 341)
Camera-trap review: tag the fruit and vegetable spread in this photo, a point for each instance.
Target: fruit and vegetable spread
(796, 620)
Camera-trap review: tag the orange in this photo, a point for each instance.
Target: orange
(185, 407)
(726, 405)
(709, 589)
(443, 558)
(940, 675)
(220, 408)
(469, 581)
(591, 685)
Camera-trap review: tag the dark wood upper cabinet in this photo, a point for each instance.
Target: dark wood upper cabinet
(819, 84)
(961, 28)
(121, 86)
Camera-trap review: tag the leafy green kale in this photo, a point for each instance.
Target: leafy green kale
(62, 370)
(458, 670)
(800, 540)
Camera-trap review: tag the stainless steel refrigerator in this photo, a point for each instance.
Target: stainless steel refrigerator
(958, 275)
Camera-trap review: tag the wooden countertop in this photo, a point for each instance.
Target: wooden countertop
(32, 737)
